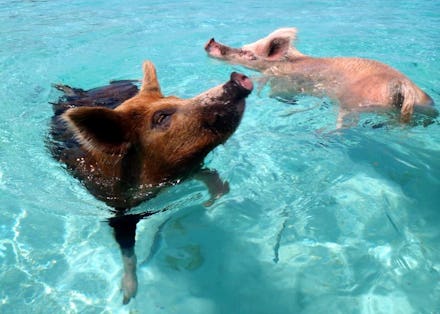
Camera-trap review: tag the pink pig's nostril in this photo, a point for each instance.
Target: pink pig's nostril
(242, 80)
(209, 43)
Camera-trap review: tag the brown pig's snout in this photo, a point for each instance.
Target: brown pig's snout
(242, 81)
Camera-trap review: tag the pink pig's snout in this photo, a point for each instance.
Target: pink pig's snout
(215, 49)
(210, 44)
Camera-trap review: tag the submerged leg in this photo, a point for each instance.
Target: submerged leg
(214, 183)
(347, 118)
(124, 228)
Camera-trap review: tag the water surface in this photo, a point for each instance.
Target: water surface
(316, 221)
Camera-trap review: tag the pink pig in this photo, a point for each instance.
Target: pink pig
(356, 84)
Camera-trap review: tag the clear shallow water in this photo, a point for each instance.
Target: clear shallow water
(316, 220)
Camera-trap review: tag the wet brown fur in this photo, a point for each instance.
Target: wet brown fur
(125, 145)
(125, 157)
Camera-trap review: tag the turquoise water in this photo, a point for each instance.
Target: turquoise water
(316, 221)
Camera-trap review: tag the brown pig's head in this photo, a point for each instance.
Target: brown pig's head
(260, 55)
(157, 138)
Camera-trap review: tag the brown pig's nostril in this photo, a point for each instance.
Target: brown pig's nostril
(235, 76)
(242, 80)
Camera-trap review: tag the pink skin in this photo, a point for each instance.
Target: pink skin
(356, 84)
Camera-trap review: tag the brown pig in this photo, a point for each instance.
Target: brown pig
(126, 144)
(356, 84)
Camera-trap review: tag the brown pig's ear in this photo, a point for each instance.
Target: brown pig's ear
(150, 84)
(99, 129)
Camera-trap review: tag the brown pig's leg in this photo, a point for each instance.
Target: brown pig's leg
(124, 228)
(214, 183)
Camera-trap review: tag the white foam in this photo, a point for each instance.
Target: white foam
(382, 253)
(385, 304)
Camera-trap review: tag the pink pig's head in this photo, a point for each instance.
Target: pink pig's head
(260, 55)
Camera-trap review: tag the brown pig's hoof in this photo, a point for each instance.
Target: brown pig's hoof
(129, 287)
(221, 190)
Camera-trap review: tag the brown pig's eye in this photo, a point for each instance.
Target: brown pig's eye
(162, 118)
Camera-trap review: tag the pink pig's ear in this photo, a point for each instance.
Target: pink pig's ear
(99, 129)
(150, 84)
(287, 32)
(275, 45)
(280, 41)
